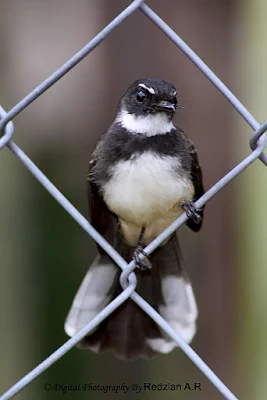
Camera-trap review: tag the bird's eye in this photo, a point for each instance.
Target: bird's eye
(141, 96)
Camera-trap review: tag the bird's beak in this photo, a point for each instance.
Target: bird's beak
(166, 106)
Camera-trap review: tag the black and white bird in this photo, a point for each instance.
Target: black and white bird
(144, 173)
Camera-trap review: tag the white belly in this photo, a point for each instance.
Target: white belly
(146, 192)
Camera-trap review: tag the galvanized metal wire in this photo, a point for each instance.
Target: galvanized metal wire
(128, 279)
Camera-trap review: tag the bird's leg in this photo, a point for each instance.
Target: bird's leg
(144, 264)
(191, 211)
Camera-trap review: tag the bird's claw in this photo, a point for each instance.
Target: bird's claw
(192, 212)
(142, 264)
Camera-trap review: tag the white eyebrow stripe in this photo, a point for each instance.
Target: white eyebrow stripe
(149, 89)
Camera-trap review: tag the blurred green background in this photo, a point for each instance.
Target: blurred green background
(45, 254)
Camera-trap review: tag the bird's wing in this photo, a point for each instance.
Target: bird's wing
(196, 175)
(102, 219)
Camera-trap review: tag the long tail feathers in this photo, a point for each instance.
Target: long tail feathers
(95, 292)
(129, 332)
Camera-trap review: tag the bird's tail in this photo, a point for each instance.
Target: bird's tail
(129, 332)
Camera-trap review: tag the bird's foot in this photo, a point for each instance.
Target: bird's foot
(142, 264)
(191, 211)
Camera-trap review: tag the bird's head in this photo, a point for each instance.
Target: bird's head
(148, 107)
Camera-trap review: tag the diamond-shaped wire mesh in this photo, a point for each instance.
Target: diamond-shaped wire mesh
(128, 280)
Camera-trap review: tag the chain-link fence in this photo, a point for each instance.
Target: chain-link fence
(128, 279)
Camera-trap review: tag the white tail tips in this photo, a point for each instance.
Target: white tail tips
(93, 295)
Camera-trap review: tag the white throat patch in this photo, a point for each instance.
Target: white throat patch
(149, 125)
